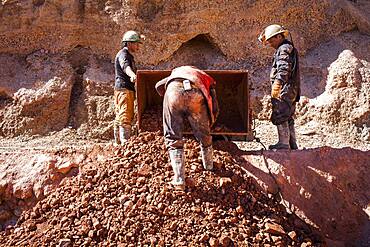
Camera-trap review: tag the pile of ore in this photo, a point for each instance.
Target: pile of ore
(152, 119)
(126, 200)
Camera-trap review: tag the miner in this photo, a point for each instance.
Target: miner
(189, 94)
(285, 84)
(124, 87)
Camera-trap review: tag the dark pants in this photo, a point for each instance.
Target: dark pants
(179, 105)
(282, 111)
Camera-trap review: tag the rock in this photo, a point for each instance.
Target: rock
(3, 186)
(144, 170)
(190, 182)
(96, 223)
(141, 180)
(51, 102)
(204, 238)
(274, 228)
(4, 215)
(65, 242)
(225, 182)
(225, 241)
(213, 242)
(173, 226)
(65, 167)
(23, 190)
(293, 235)
(128, 206)
(239, 210)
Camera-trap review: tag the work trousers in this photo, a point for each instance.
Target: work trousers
(124, 107)
(180, 104)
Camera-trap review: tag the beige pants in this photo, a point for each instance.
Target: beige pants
(124, 107)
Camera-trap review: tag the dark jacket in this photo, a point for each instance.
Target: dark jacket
(122, 61)
(285, 68)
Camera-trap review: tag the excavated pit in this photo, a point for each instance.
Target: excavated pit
(325, 181)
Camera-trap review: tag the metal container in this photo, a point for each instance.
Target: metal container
(234, 120)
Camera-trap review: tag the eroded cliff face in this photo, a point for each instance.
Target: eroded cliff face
(85, 35)
(232, 26)
(56, 71)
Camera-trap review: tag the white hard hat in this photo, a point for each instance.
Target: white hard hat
(131, 36)
(271, 31)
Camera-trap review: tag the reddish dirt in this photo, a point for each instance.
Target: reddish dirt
(122, 196)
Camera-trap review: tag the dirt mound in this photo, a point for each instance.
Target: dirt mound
(28, 176)
(126, 199)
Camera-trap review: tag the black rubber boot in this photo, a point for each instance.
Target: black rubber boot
(283, 132)
(292, 138)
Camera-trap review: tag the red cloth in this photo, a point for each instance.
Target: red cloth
(201, 80)
(193, 74)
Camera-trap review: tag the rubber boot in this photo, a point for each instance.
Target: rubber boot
(117, 140)
(178, 166)
(124, 133)
(283, 132)
(207, 157)
(292, 138)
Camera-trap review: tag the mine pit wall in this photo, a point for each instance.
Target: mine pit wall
(90, 33)
(326, 187)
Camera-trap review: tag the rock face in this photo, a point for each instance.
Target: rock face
(40, 95)
(61, 25)
(27, 177)
(95, 110)
(86, 36)
(345, 104)
(327, 187)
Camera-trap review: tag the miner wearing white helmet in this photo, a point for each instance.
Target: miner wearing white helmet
(285, 81)
(124, 87)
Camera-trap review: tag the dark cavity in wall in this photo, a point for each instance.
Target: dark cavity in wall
(79, 58)
(200, 51)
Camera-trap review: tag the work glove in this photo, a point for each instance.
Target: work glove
(276, 89)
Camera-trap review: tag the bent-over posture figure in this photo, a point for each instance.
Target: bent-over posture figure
(189, 93)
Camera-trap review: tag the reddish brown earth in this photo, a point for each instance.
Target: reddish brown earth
(63, 183)
(122, 196)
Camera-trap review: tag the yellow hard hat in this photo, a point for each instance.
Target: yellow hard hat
(271, 31)
(131, 36)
